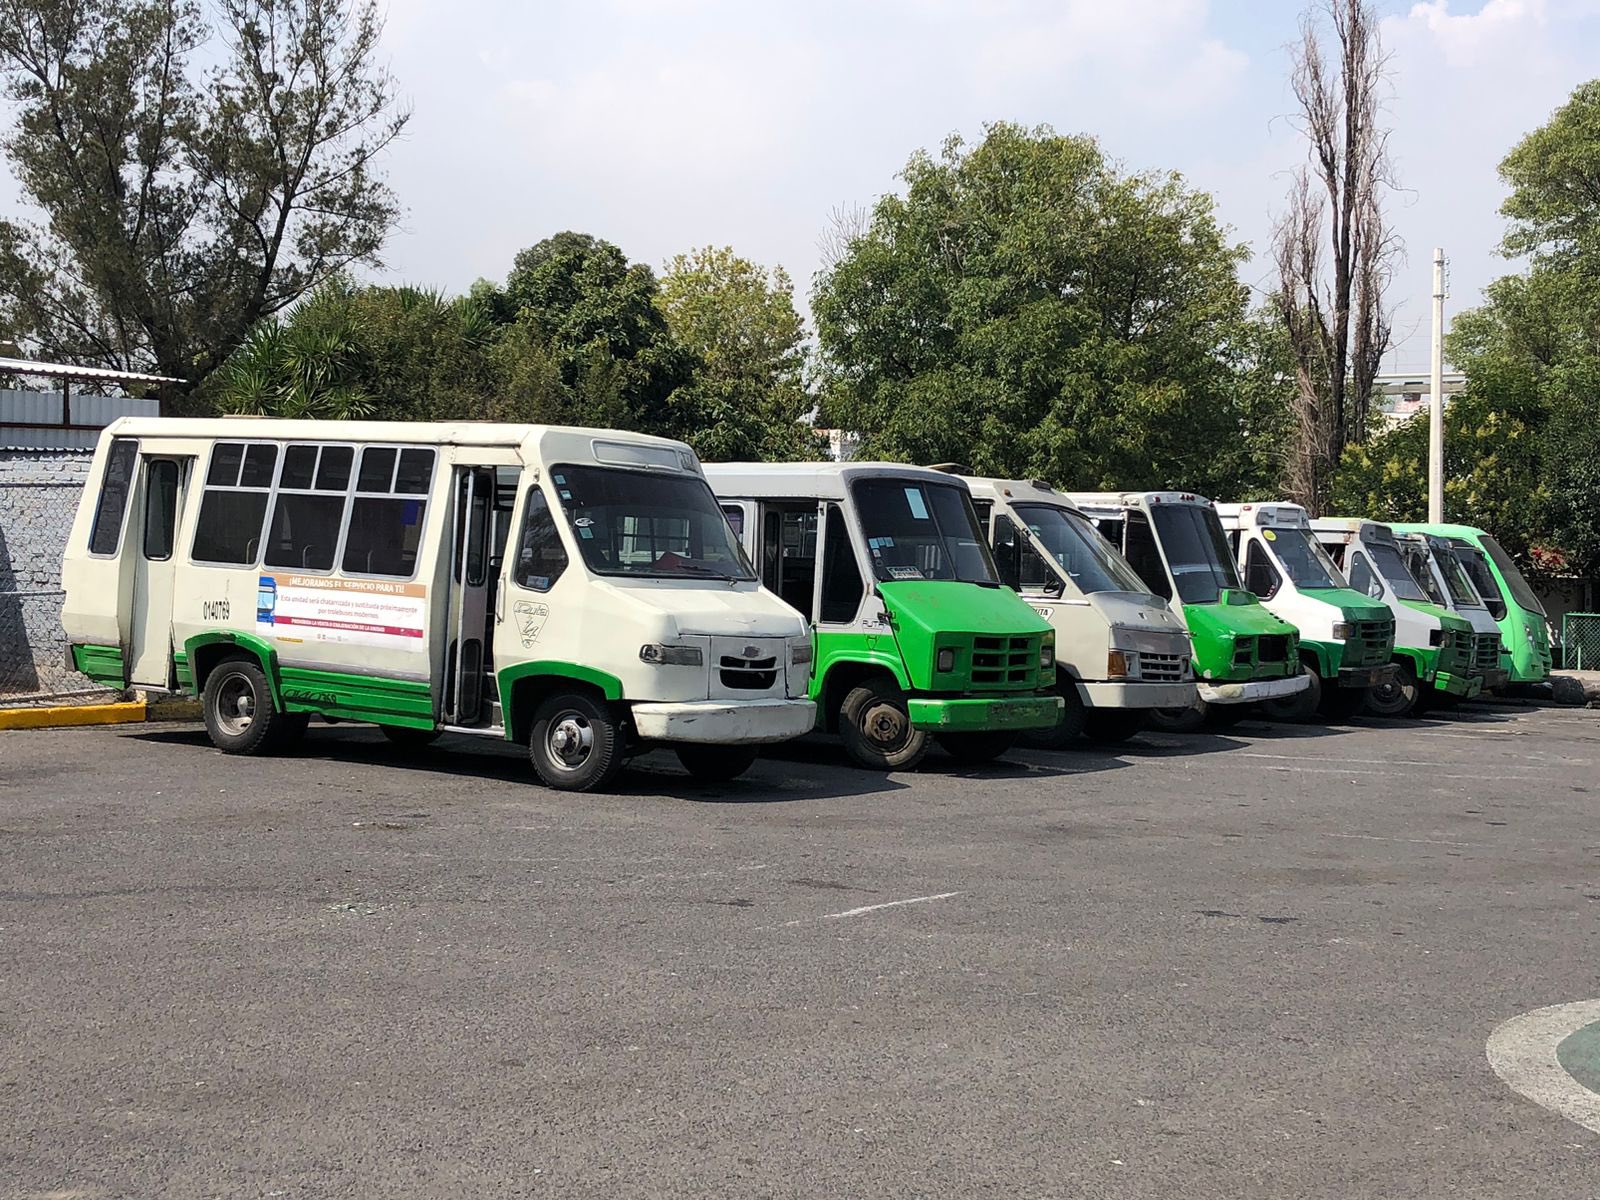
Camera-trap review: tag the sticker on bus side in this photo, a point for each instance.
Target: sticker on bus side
(364, 612)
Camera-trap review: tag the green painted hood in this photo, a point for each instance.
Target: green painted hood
(1214, 628)
(1446, 618)
(1354, 605)
(948, 606)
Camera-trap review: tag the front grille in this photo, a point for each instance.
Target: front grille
(748, 674)
(1274, 647)
(999, 662)
(1373, 642)
(1161, 668)
(1455, 653)
(1244, 651)
(1485, 651)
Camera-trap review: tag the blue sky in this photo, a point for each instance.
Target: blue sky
(668, 124)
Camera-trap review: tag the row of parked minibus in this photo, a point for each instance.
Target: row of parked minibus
(591, 594)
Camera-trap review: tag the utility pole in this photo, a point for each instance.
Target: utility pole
(1436, 396)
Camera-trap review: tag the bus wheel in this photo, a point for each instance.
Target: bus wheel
(716, 764)
(974, 749)
(1225, 716)
(238, 708)
(1113, 726)
(575, 745)
(877, 729)
(1341, 704)
(1069, 729)
(403, 737)
(1179, 720)
(1301, 706)
(1400, 697)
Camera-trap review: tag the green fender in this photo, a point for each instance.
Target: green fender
(856, 654)
(264, 653)
(1421, 661)
(1321, 658)
(610, 686)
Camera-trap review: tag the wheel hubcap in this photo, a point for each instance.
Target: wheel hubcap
(236, 705)
(886, 726)
(570, 741)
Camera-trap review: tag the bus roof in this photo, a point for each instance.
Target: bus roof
(1021, 491)
(1281, 513)
(818, 480)
(1109, 502)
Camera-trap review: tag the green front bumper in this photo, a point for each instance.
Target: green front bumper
(1466, 686)
(976, 716)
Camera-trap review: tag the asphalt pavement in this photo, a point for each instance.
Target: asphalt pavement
(1264, 964)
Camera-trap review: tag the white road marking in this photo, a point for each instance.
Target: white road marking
(856, 912)
(1368, 837)
(1522, 1052)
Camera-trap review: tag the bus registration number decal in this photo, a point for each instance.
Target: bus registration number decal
(214, 610)
(530, 620)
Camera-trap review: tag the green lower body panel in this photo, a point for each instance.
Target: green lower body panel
(975, 716)
(405, 702)
(103, 664)
(1466, 686)
(180, 661)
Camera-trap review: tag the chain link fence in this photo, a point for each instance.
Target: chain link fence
(33, 653)
(1580, 641)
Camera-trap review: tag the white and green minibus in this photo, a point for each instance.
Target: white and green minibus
(1433, 562)
(576, 591)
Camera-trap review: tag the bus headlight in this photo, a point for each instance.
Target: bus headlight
(800, 653)
(1047, 656)
(1343, 631)
(671, 656)
(946, 660)
(1121, 664)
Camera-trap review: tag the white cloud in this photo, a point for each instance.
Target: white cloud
(1471, 39)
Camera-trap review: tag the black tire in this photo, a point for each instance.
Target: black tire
(1400, 697)
(1298, 708)
(975, 749)
(1064, 734)
(575, 744)
(877, 730)
(289, 730)
(403, 737)
(238, 709)
(1341, 704)
(1179, 720)
(1113, 726)
(716, 764)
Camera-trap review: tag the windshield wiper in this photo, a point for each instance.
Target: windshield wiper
(700, 569)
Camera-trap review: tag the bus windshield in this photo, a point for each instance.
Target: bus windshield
(917, 530)
(1196, 551)
(1520, 591)
(1393, 568)
(1303, 559)
(1420, 563)
(1476, 564)
(648, 523)
(1085, 556)
(1461, 589)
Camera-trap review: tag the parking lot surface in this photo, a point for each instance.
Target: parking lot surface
(1260, 964)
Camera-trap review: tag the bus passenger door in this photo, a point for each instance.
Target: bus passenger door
(161, 486)
(471, 527)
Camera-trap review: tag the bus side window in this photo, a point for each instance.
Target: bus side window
(114, 488)
(1260, 576)
(541, 558)
(309, 508)
(1006, 553)
(1362, 578)
(842, 588)
(1144, 556)
(385, 528)
(160, 508)
(233, 506)
(735, 515)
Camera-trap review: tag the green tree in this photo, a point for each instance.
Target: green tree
(1029, 309)
(747, 398)
(181, 203)
(585, 310)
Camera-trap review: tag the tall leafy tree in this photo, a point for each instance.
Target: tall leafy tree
(747, 398)
(1029, 309)
(181, 203)
(590, 344)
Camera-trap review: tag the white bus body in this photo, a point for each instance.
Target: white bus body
(574, 590)
(1433, 562)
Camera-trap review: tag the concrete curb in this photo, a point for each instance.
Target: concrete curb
(121, 713)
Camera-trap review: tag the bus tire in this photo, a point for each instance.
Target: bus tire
(1179, 720)
(405, 738)
(1113, 726)
(1341, 704)
(1065, 732)
(575, 744)
(1400, 697)
(1298, 708)
(877, 730)
(716, 764)
(1226, 716)
(237, 706)
(975, 749)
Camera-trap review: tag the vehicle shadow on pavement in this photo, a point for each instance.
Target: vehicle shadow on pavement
(655, 775)
(827, 752)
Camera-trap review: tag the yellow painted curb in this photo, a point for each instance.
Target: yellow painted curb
(173, 710)
(72, 714)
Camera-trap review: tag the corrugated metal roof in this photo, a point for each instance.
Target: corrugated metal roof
(25, 366)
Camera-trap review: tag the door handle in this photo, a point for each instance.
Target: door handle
(500, 602)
